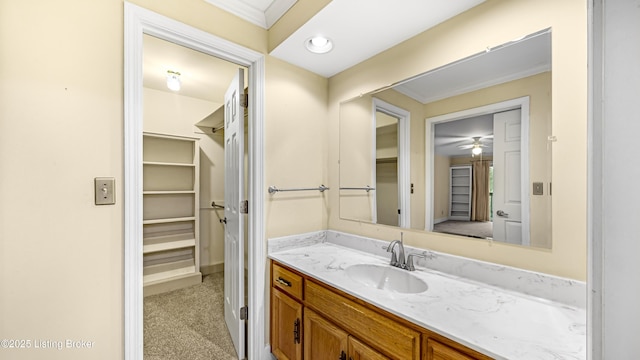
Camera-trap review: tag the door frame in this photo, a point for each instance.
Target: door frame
(404, 165)
(139, 21)
(430, 123)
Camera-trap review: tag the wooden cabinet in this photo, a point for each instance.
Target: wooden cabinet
(286, 326)
(360, 351)
(460, 193)
(326, 341)
(337, 326)
(322, 339)
(436, 350)
(170, 212)
(388, 336)
(286, 313)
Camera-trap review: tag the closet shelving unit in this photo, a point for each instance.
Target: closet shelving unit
(170, 212)
(460, 193)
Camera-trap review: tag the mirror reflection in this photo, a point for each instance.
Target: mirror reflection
(463, 149)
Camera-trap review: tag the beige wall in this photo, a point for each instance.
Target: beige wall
(469, 33)
(441, 186)
(356, 134)
(61, 125)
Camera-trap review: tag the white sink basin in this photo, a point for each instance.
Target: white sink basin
(386, 278)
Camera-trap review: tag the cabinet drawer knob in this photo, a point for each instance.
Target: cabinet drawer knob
(283, 282)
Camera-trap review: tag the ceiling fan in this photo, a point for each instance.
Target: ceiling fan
(477, 145)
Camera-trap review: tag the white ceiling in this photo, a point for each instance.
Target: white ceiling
(361, 29)
(353, 25)
(203, 76)
(521, 58)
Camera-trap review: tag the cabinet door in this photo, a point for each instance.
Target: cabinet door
(322, 339)
(439, 351)
(360, 351)
(286, 326)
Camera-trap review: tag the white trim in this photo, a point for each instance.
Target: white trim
(595, 234)
(254, 15)
(276, 10)
(523, 104)
(139, 21)
(404, 164)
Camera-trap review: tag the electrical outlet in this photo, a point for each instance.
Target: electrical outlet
(105, 188)
(538, 188)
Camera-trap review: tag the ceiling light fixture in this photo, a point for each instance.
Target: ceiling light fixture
(319, 44)
(173, 80)
(476, 150)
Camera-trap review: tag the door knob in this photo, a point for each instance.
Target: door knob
(502, 213)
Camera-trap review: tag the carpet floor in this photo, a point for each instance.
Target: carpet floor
(478, 229)
(188, 324)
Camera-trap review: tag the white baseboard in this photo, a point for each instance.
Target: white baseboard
(438, 221)
(266, 353)
(212, 269)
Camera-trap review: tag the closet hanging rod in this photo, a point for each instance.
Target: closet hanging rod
(366, 188)
(273, 189)
(216, 206)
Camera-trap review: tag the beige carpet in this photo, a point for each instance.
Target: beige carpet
(188, 324)
(477, 229)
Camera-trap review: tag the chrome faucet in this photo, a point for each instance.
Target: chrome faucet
(398, 261)
(410, 257)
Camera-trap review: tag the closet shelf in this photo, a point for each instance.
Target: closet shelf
(175, 274)
(168, 220)
(171, 183)
(146, 249)
(168, 192)
(156, 163)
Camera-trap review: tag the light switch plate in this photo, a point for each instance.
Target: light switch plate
(538, 188)
(105, 188)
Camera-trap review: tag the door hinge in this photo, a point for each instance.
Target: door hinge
(244, 313)
(244, 100)
(244, 207)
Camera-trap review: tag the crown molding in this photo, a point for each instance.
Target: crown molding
(253, 15)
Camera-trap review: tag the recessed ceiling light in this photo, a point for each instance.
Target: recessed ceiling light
(319, 44)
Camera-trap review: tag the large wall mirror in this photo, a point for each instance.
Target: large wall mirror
(464, 149)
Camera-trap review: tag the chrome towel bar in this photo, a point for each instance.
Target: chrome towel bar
(273, 189)
(366, 188)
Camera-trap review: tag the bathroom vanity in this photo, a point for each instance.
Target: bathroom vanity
(329, 301)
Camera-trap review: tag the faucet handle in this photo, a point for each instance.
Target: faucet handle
(410, 265)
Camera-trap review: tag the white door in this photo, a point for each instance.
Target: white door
(233, 196)
(507, 179)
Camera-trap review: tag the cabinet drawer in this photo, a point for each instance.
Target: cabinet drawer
(391, 338)
(287, 281)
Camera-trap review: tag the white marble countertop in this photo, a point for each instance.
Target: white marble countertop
(499, 323)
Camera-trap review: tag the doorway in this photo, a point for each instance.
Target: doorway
(139, 21)
(477, 180)
(184, 245)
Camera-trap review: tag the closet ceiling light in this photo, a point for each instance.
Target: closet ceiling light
(319, 44)
(173, 80)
